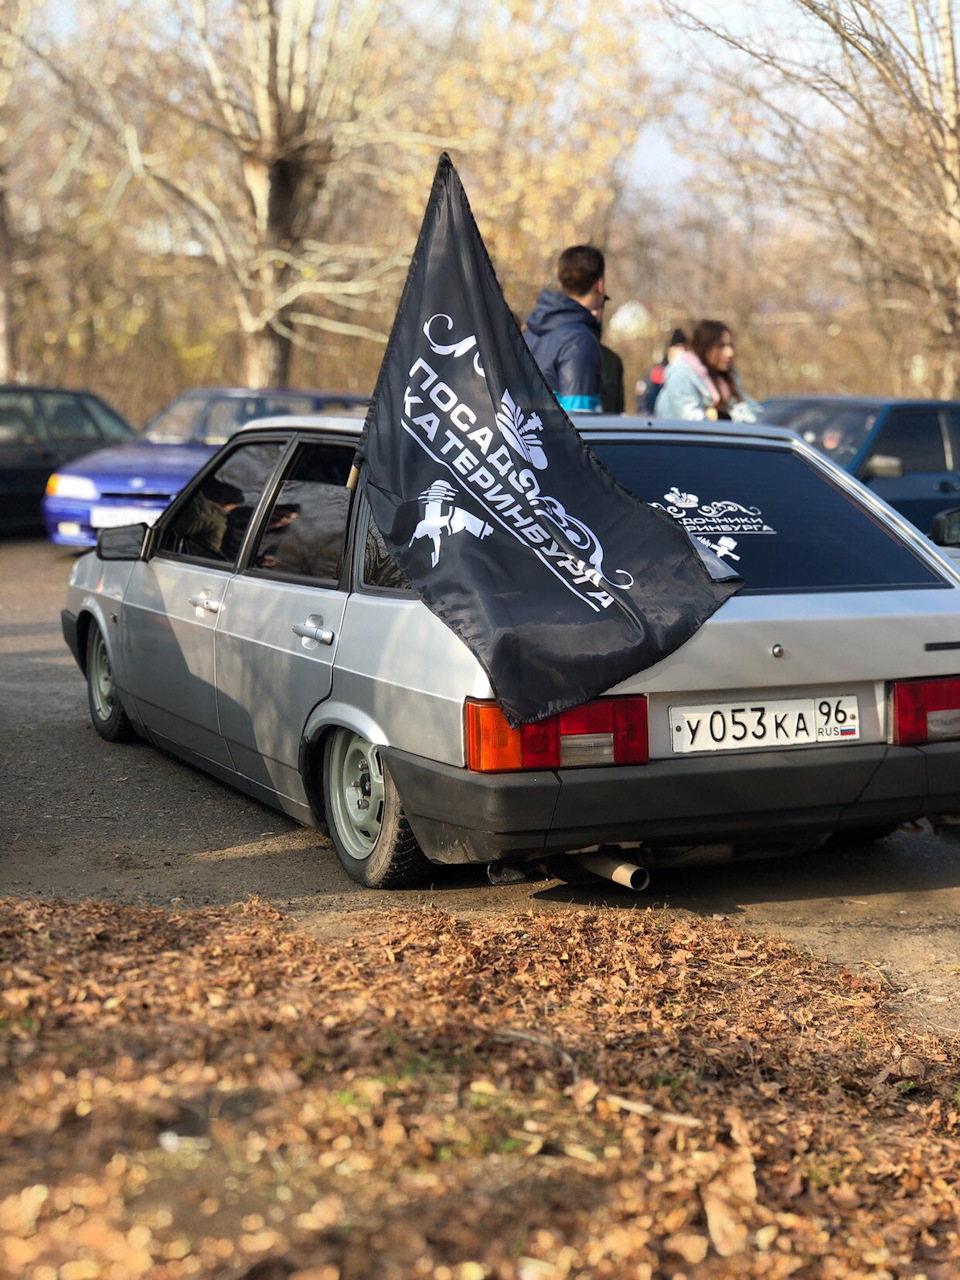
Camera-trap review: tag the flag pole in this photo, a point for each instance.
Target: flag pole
(353, 477)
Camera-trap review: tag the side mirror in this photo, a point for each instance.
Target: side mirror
(123, 543)
(883, 466)
(945, 530)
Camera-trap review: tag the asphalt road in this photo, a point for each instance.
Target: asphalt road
(81, 818)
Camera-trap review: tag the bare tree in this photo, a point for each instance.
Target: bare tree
(852, 118)
(15, 16)
(252, 122)
(271, 157)
(547, 102)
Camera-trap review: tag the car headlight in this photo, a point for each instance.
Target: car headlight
(59, 486)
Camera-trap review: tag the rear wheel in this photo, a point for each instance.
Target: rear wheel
(108, 716)
(365, 818)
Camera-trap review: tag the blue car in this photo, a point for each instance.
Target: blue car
(906, 451)
(133, 483)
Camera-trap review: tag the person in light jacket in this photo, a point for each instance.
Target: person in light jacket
(702, 382)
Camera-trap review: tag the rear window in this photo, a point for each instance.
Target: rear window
(783, 525)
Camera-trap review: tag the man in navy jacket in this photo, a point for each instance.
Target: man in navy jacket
(563, 330)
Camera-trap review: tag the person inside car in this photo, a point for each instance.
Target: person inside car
(204, 524)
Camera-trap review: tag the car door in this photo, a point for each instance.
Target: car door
(174, 600)
(277, 637)
(915, 435)
(26, 460)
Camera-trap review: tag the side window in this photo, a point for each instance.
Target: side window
(211, 523)
(913, 436)
(18, 419)
(110, 424)
(67, 419)
(379, 568)
(305, 530)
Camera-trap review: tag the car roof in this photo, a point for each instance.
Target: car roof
(228, 393)
(609, 425)
(825, 398)
(605, 426)
(45, 387)
(301, 422)
(821, 397)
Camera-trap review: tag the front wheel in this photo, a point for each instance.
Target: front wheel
(108, 716)
(369, 829)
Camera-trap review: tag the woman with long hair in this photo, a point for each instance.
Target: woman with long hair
(702, 382)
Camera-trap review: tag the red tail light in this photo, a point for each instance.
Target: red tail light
(609, 731)
(926, 711)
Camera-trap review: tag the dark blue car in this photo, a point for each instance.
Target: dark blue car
(133, 483)
(907, 451)
(41, 429)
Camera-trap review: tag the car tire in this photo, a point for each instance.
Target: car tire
(365, 818)
(108, 716)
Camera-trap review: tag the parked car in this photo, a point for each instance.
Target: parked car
(281, 650)
(42, 428)
(135, 481)
(907, 451)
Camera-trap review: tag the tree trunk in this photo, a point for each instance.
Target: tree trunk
(266, 359)
(8, 363)
(948, 375)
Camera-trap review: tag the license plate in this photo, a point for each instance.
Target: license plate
(115, 517)
(755, 725)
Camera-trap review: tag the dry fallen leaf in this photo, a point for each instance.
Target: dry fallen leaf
(327, 1106)
(728, 1232)
(691, 1246)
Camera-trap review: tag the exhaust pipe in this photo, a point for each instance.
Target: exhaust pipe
(626, 873)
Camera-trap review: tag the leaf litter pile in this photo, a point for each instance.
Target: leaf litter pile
(623, 1094)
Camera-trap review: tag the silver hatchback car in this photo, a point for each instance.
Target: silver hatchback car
(260, 631)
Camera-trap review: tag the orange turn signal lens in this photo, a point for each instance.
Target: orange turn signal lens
(608, 731)
(491, 743)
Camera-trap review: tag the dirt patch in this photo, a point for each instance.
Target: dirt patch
(213, 1094)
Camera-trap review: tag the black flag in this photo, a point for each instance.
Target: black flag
(559, 580)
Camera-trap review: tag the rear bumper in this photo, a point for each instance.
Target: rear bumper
(743, 800)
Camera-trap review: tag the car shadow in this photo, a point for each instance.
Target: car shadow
(911, 861)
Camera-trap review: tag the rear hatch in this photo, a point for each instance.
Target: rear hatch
(841, 599)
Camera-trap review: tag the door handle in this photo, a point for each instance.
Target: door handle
(204, 602)
(312, 633)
